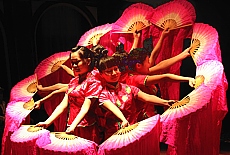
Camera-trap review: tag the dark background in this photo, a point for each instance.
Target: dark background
(32, 30)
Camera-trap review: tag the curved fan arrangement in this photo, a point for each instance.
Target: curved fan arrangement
(133, 19)
(129, 137)
(60, 142)
(25, 88)
(92, 36)
(51, 64)
(203, 42)
(142, 137)
(173, 15)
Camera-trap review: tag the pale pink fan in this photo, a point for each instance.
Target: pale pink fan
(25, 88)
(204, 43)
(133, 19)
(194, 101)
(210, 72)
(24, 139)
(139, 138)
(60, 142)
(208, 76)
(18, 111)
(173, 15)
(92, 36)
(51, 64)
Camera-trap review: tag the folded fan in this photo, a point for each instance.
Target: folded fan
(173, 15)
(51, 64)
(92, 36)
(139, 138)
(25, 88)
(133, 19)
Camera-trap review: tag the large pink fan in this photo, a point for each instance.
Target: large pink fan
(204, 42)
(133, 19)
(18, 111)
(194, 101)
(25, 88)
(173, 15)
(208, 77)
(141, 138)
(51, 64)
(92, 36)
(209, 72)
(62, 143)
(24, 139)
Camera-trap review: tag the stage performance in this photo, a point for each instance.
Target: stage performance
(117, 91)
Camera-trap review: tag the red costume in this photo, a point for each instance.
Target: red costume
(90, 88)
(123, 97)
(144, 110)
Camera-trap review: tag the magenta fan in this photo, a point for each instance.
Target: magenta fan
(194, 101)
(204, 42)
(210, 73)
(173, 15)
(141, 138)
(24, 139)
(18, 111)
(51, 64)
(62, 143)
(25, 88)
(92, 36)
(133, 19)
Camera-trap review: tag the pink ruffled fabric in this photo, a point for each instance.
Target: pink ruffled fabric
(12, 123)
(199, 132)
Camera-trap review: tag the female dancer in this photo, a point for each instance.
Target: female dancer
(121, 95)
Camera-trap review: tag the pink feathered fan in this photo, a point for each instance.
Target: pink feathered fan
(209, 72)
(19, 110)
(194, 101)
(62, 143)
(92, 36)
(139, 138)
(51, 64)
(133, 19)
(23, 139)
(204, 42)
(173, 15)
(25, 88)
(208, 77)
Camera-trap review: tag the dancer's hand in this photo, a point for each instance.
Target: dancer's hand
(42, 124)
(70, 129)
(37, 104)
(192, 82)
(124, 124)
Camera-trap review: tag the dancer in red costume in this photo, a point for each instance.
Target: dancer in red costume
(121, 95)
(81, 89)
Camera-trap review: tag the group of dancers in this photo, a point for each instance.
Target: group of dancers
(118, 78)
(110, 92)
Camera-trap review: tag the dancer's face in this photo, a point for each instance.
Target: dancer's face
(79, 65)
(144, 67)
(111, 74)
